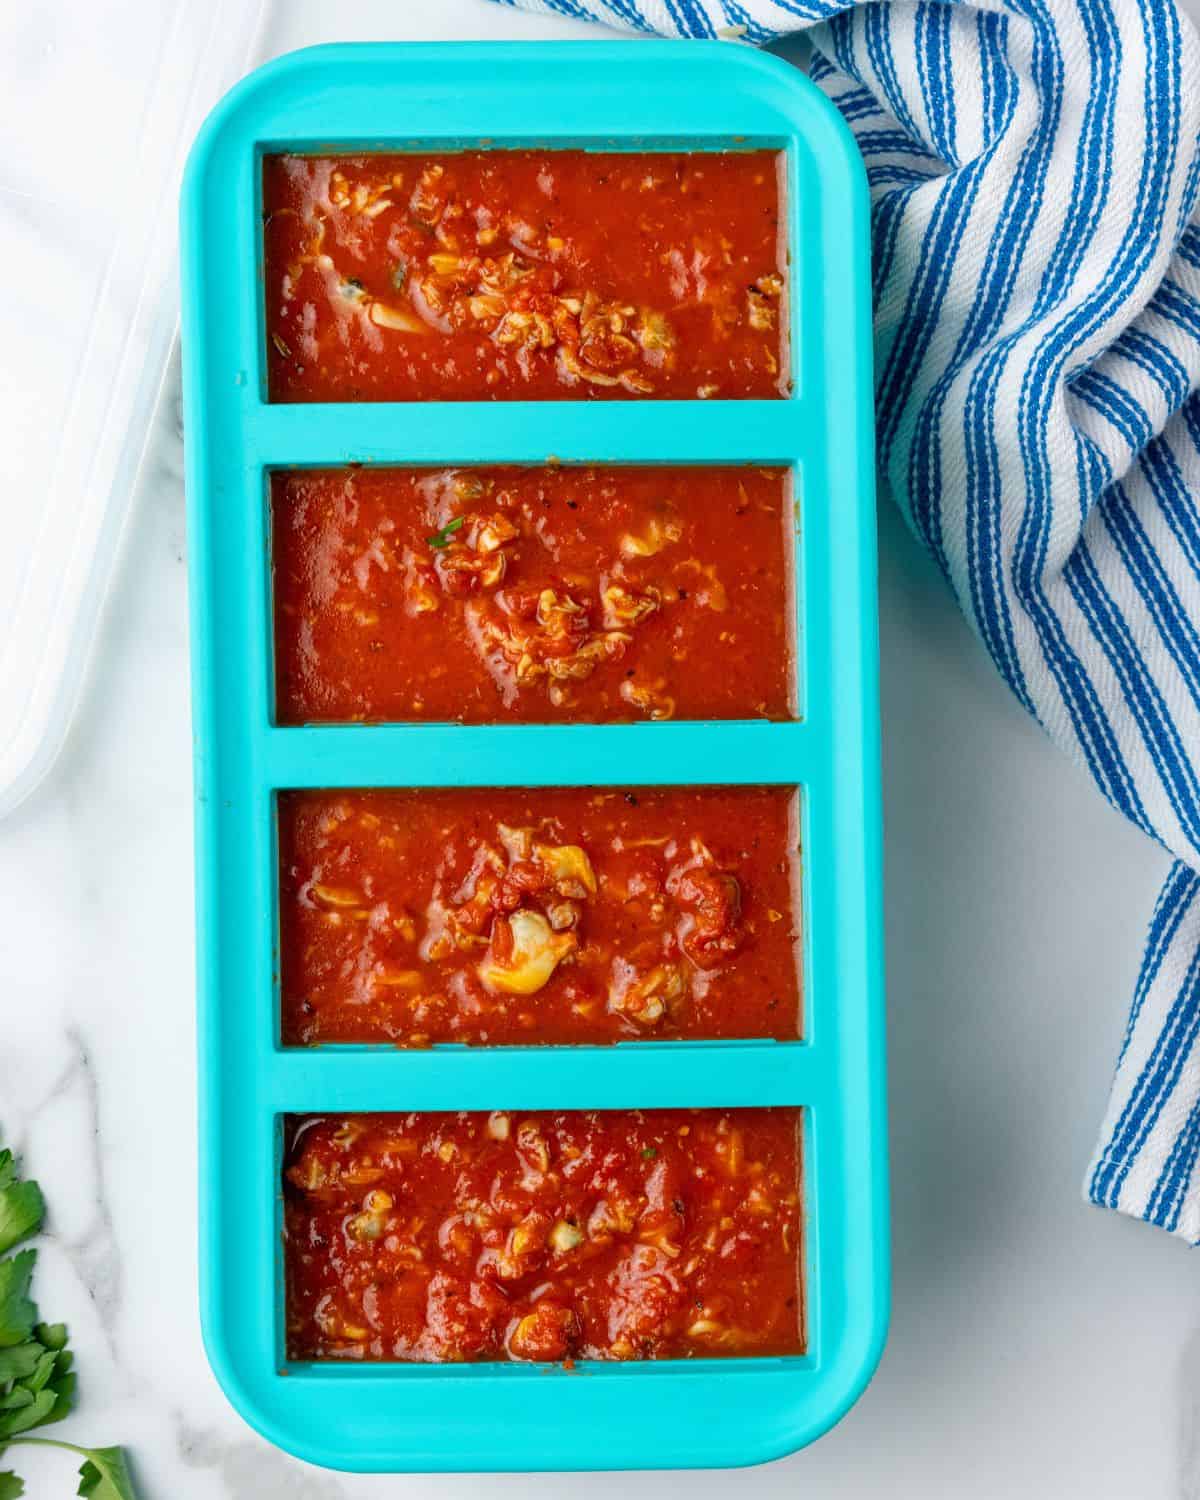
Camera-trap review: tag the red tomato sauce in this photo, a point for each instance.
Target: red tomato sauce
(532, 595)
(538, 915)
(525, 275)
(646, 1234)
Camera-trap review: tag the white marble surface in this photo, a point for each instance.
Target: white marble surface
(1038, 1348)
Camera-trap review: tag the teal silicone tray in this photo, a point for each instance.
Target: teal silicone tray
(675, 1413)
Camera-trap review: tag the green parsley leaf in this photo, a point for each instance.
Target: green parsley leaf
(441, 538)
(21, 1210)
(17, 1312)
(63, 1390)
(19, 1362)
(11, 1487)
(52, 1335)
(45, 1368)
(33, 1414)
(649, 1153)
(21, 1206)
(105, 1476)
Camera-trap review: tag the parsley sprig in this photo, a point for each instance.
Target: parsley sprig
(37, 1385)
(438, 540)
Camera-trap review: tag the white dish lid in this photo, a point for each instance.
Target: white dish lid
(101, 104)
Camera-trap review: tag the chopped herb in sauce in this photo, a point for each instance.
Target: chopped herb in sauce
(441, 538)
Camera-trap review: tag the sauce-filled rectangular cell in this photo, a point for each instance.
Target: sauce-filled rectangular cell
(535, 595)
(617, 1235)
(530, 275)
(539, 915)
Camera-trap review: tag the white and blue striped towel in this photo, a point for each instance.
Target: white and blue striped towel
(1034, 173)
